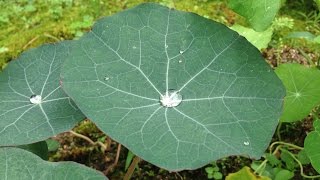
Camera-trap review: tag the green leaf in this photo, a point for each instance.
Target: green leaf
(53, 144)
(303, 157)
(245, 173)
(177, 89)
(273, 160)
(284, 174)
(303, 34)
(217, 175)
(24, 117)
(259, 14)
(289, 161)
(20, 164)
(303, 87)
(129, 159)
(259, 39)
(311, 146)
(38, 148)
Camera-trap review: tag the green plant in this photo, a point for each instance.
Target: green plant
(213, 171)
(121, 76)
(127, 90)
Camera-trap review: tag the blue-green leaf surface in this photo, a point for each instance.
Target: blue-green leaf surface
(175, 88)
(23, 119)
(19, 164)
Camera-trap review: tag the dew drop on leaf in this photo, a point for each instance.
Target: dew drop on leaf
(35, 99)
(246, 143)
(171, 98)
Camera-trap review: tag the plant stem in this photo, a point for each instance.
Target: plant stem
(265, 161)
(103, 146)
(278, 131)
(300, 165)
(285, 144)
(131, 168)
(115, 161)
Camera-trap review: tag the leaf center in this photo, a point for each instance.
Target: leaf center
(171, 99)
(35, 99)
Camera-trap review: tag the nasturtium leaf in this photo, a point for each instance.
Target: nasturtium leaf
(303, 86)
(311, 146)
(259, 14)
(247, 174)
(21, 164)
(259, 39)
(177, 89)
(33, 106)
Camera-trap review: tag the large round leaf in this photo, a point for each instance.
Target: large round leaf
(177, 89)
(33, 106)
(20, 164)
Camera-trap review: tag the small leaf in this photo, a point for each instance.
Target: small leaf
(209, 170)
(259, 14)
(303, 34)
(53, 145)
(289, 161)
(245, 173)
(177, 89)
(20, 164)
(129, 159)
(259, 39)
(33, 106)
(303, 157)
(217, 175)
(273, 160)
(284, 174)
(303, 87)
(311, 146)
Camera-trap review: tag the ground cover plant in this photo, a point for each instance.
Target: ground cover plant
(178, 90)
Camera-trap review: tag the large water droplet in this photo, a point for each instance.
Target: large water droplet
(35, 99)
(171, 98)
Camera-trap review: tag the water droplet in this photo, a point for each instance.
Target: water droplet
(106, 78)
(180, 61)
(297, 94)
(134, 47)
(268, 7)
(166, 46)
(246, 143)
(181, 51)
(171, 98)
(35, 99)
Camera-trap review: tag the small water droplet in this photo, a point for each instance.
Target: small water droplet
(268, 7)
(171, 98)
(246, 143)
(166, 46)
(106, 78)
(181, 51)
(134, 47)
(35, 99)
(180, 61)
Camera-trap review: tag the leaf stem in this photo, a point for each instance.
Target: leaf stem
(103, 146)
(131, 168)
(285, 144)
